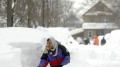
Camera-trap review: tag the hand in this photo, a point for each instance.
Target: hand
(60, 65)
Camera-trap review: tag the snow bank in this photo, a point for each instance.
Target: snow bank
(93, 56)
(29, 40)
(114, 38)
(9, 56)
(61, 34)
(97, 56)
(20, 34)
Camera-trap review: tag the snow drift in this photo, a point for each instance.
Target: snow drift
(27, 47)
(28, 40)
(97, 56)
(9, 56)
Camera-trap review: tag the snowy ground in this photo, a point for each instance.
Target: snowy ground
(22, 47)
(97, 56)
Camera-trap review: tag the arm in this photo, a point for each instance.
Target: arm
(44, 61)
(66, 54)
(66, 60)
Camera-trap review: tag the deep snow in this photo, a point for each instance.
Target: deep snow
(23, 48)
(27, 44)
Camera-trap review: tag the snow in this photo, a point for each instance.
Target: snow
(113, 38)
(14, 33)
(93, 56)
(97, 56)
(90, 55)
(24, 47)
(9, 56)
(76, 31)
(99, 12)
(61, 34)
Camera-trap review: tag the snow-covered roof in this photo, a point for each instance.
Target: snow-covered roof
(86, 8)
(99, 26)
(99, 12)
(76, 31)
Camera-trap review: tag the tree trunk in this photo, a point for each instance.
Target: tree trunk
(29, 13)
(9, 13)
(43, 16)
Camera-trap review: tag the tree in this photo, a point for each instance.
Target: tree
(33, 13)
(29, 16)
(9, 13)
(59, 10)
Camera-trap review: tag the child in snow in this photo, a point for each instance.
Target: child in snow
(55, 54)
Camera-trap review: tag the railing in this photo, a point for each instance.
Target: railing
(100, 25)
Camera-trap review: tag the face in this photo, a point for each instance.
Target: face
(49, 45)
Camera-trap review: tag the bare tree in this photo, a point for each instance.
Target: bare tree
(37, 12)
(58, 11)
(9, 13)
(29, 16)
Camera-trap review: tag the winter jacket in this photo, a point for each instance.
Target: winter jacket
(96, 41)
(87, 41)
(103, 41)
(60, 59)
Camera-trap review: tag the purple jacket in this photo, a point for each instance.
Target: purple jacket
(62, 58)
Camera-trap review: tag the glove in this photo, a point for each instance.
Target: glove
(59, 66)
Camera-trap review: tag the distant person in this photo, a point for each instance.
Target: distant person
(87, 41)
(55, 54)
(103, 41)
(96, 40)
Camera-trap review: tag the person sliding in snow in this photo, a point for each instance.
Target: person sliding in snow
(55, 54)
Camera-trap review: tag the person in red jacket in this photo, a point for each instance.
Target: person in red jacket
(96, 40)
(55, 54)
